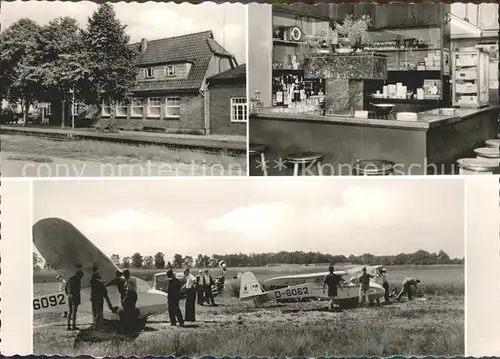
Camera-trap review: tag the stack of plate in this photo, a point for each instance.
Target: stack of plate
(488, 152)
(407, 116)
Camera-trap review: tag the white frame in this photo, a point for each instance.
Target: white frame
(105, 106)
(167, 106)
(146, 70)
(132, 107)
(168, 71)
(121, 104)
(154, 106)
(235, 105)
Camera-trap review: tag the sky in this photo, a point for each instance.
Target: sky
(149, 20)
(220, 216)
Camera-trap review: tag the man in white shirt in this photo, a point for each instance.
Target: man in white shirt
(190, 296)
(62, 288)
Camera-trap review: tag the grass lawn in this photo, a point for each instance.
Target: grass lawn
(35, 149)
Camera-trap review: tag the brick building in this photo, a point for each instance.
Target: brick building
(227, 109)
(171, 84)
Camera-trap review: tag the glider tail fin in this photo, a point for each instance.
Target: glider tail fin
(249, 286)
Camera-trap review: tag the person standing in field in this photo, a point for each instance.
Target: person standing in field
(129, 313)
(200, 289)
(190, 296)
(208, 282)
(385, 284)
(408, 285)
(74, 287)
(62, 288)
(119, 282)
(332, 280)
(173, 298)
(364, 286)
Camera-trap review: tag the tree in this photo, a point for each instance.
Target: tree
(61, 60)
(136, 260)
(126, 262)
(188, 261)
(159, 260)
(110, 63)
(18, 65)
(148, 262)
(115, 258)
(168, 265)
(178, 261)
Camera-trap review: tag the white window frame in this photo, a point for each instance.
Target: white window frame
(155, 106)
(176, 99)
(236, 103)
(152, 69)
(47, 108)
(76, 106)
(122, 104)
(170, 70)
(103, 110)
(132, 107)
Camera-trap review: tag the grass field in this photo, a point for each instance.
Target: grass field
(433, 324)
(40, 150)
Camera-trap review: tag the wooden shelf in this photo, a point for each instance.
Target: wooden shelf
(408, 50)
(401, 100)
(286, 43)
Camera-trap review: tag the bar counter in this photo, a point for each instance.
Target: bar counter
(431, 145)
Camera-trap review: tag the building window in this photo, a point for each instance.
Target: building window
(106, 109)
(173, 107)
(137, 107)
(77, 107)
(149, 72)
(239, 109)
(121, 109)
(154, 107)
(47, 108)
(170, 70)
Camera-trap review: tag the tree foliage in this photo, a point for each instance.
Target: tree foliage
(420, 257)
(159, 260)
(18, 64)
(137, 260)
(110, 69)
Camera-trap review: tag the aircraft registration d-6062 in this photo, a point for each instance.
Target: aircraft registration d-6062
(292, 292)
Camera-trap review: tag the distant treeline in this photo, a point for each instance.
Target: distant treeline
(158, 261)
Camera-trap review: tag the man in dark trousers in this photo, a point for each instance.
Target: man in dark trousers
(173, 298)
(73, 289)
(332, 280)
(119, 282)
(207, 282)
(199, 288)
(129, 313)
(99, 295)
(190, 296)
(93, 289)
(408, 285)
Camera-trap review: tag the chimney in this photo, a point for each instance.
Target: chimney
(144, 45)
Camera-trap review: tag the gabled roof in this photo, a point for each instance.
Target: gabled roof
(196, 48)
(239, 73)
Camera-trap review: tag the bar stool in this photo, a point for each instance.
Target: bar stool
(487, 153)
(259, 150)
(307, 160)
(493, 143)
(373, 168)
(479, 166)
